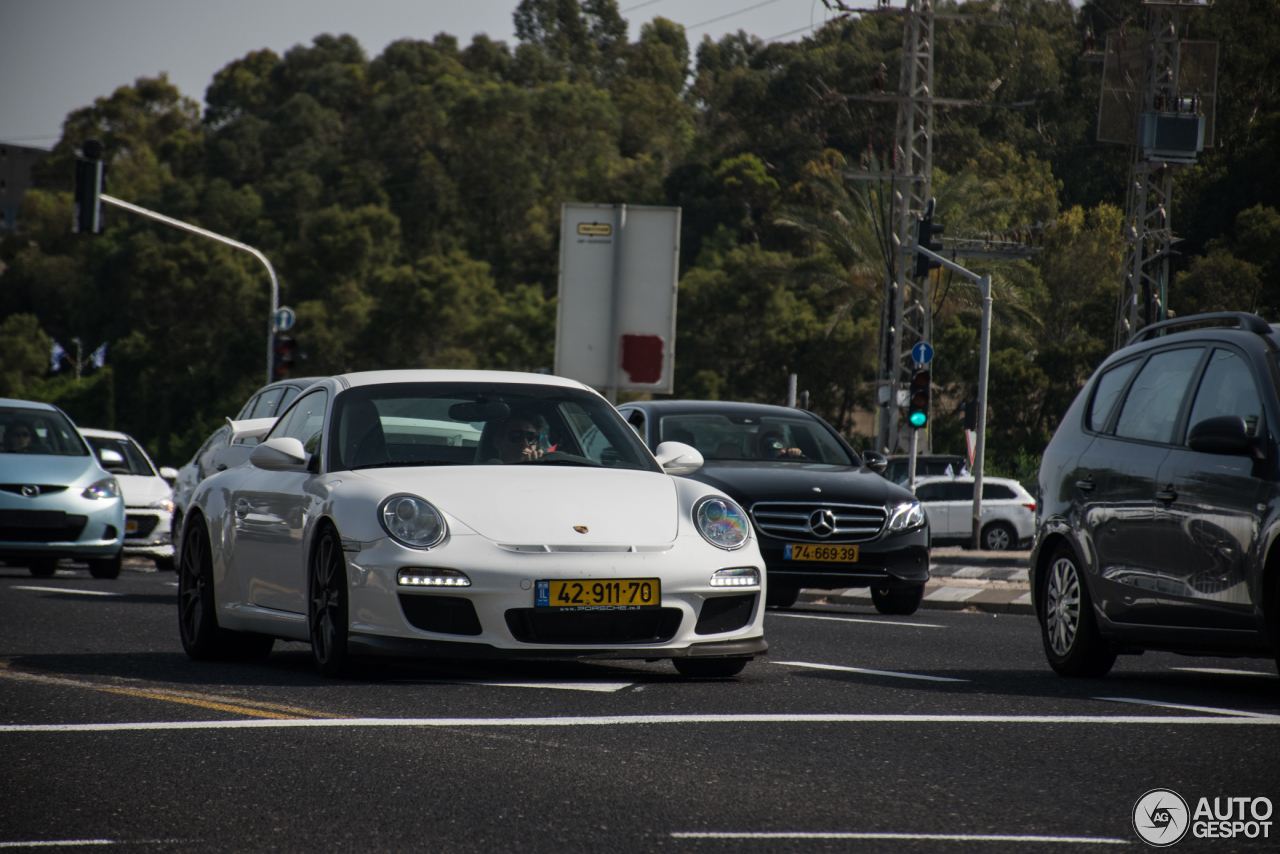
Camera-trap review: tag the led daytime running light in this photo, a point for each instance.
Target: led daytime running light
(418, 577)
(739, 577)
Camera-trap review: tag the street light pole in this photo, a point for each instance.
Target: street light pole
(275, 284)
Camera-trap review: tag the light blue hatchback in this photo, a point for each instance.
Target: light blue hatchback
(56, 500)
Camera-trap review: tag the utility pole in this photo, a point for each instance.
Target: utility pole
(1158, 94)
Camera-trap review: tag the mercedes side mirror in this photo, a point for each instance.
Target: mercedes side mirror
(875, 461)
(1224, 434)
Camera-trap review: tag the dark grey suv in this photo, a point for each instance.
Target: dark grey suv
(1160, 500)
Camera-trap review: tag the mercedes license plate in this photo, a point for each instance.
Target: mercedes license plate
(618, 594)
(826, 554)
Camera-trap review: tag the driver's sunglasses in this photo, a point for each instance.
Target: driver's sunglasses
(514, 436)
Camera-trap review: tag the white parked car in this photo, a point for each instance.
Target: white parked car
(1008, 511)
(148, 495)
(465, 514)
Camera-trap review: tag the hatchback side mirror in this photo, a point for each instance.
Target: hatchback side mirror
(168, 473)
(1223, 434)
(875, 461)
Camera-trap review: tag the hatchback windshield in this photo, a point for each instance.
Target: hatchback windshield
(408, 424)
(768, 438)
(132, 460)
(38, 431)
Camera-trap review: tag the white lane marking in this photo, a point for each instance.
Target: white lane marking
(871, 672)
(946, 837)
(569, 686)
(969, 572)
(953, 594)
(622, 720)
(857, 620)
(51, 844)
(65, 590)
(1226, 670)
(1186, 708)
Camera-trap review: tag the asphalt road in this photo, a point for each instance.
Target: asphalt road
(944, 731)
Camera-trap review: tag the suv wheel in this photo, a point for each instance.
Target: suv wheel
(999, 537)
(781, 596)
(1072, 642)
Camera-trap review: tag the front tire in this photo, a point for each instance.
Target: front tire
(709, 668)
(998, 537)
(327, 606)
(781, 596)
(202, 638)
(1072, 642)
(108, 567)
(43, 567)
(899, 603)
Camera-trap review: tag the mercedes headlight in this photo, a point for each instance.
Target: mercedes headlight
(906, 516)
(411, 521)
(721, 522)
(108, 487)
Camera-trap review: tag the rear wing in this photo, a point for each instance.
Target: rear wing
(254, 428)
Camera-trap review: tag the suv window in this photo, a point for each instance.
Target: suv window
(996, 491)
(1107, 392)
(305, 421)
(1151, 408)
(1228, 389)
(266, 405)
(932, 491)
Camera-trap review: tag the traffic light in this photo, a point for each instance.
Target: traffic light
(87, 218)
(282, 362)
(918, 415)
(969, 414)
(925, 230)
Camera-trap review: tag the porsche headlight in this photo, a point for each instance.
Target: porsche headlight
(905, 517)
(108, 487)
(721, 522)
(411, 521)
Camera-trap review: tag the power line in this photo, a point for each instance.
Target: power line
(639, 6)
(731, 14)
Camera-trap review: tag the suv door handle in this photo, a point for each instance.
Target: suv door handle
(1167, 494)
(1085, 485)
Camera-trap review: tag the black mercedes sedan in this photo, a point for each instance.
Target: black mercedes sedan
(824, 518)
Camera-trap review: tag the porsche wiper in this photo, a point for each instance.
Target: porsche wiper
(404, 463)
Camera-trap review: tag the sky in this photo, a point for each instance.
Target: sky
(59, 55)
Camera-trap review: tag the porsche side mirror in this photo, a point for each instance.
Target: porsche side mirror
(282, 454)
(875, 461)
(678, 458)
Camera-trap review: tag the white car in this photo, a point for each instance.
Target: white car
(1008, 511)
(148, 495)
(465, 514)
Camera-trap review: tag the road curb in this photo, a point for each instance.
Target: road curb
(939, 598)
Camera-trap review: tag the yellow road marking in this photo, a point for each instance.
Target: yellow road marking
(235, 705)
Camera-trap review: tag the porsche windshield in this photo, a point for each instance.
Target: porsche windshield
(408, 424)
(765, 438)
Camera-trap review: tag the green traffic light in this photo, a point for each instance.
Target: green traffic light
(918, 419)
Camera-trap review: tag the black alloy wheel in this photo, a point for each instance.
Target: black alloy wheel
(901, 603)
(107, 567)
(710, 668)
(327, 605)
(1072, 642)
(43, 567)
(999, 537)
(202, 638)
(781, 596)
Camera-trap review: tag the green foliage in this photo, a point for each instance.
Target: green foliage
(24, 353)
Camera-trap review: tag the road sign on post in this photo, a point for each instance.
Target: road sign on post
(616, 315)
(285, 318)
(922, 353)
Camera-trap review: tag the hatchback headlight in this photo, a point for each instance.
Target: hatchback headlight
(906, 516)
(165, 504)
(411, 521)
(108, 487)
(721, 522)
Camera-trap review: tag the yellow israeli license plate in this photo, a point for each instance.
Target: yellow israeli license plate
(130, 526)
(826, 554)
(618, 594)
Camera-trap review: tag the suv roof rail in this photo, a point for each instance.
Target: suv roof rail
(1243, 320)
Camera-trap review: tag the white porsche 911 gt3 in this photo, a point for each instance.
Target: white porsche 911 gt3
(462, 514)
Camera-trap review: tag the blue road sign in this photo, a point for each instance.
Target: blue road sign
(285, 318)
(922, 353)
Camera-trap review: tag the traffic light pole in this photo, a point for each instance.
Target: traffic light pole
(275, 283)
(984, 359)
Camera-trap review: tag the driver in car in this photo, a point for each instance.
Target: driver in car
(517, 438)
(774, 447)
(17, 439)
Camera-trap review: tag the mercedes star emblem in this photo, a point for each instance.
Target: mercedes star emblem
(822, 523)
